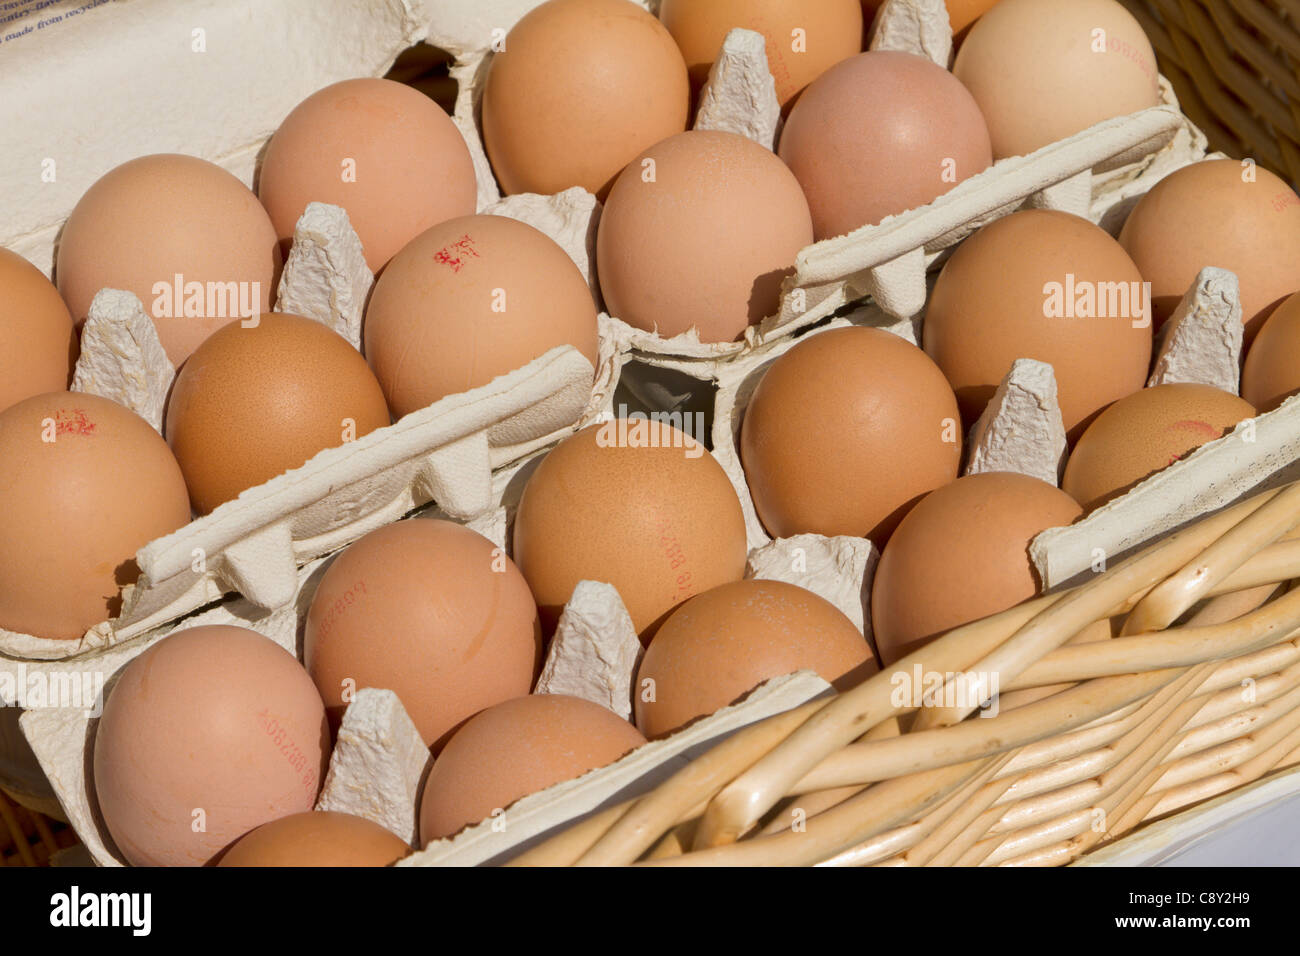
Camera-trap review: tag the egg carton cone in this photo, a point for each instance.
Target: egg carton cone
(254, 544)
(1086, 174)
(210, 78)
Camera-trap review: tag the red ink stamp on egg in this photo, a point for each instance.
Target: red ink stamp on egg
(456, 253)
(72, 422)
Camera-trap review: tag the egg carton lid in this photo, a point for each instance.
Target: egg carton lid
(211, 78)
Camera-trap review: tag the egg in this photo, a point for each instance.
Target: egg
(698, 233)
(382, 150)
(431, 611)
(1043, 285)
(579, 89)
(186, 237)
(804, 38)
(513, 749)
(1144, 433)
(210, 732)
(84, 484)
(468, 300)
(38, 345)
(963, 13)
(721, 644)
(1220, 213)
(317, 838)
(1272, 370)
(960, 555)
(879, 134)
(1043, 70)
(254, 402)
(845, 432)
(635, 503)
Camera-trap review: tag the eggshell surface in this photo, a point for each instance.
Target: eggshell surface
(960, 555)
(38, 345)
(845, 432)
(515, 748)
(255, 402)
(382, 150)
(1144, 433)
(879, 134)
(1043, 70)
(1272, 371)
(317, 838)
(1044, 285)
(723, 643)
(469, 300)
(186, 237)
(705, 241)
(84, 484)
(581, 88)
(635, 503)
(209, 733)
(431, 611)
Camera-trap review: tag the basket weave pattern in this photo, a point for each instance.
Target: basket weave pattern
(27, 838)
(1198, 693)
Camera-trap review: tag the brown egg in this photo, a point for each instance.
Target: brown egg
(1043, 285)
(1042, 70)
(1144, 433)
(705, 242)
(382, 150)
(1211, 214)
(1272, 371)
(515, 748)
(581, 88)
(845, 432)
(721, 644)
(804, 39)
(880, 134)
(38, 345)
(317, 838)
(961, 554)
(468, 300)
(84, 484)
(209, 733)
(188, 238)
(431, 611)
(634, 503)
(253, 403)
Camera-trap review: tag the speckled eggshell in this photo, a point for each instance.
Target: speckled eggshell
(84, 484)
(1043, 70)
(431, 611)
(382, 150)
(1272, 371)
(209, 733)
(845, 432)
(961, 554)
(515, 748)
(1220, 213)
(991, 305)
(879, 134)
(702, 237)
(581, 88)
(721, 644)
(469, 300)
(828, 31)
(253, 403)
(38, 345)
(317, 838)
(1144, 433)
(634, 503)
(152, 219)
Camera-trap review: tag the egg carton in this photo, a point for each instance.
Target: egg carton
(1088, 174)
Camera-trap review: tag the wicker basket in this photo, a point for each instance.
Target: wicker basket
(1235, 65)
(1197, 694)
(27, 838)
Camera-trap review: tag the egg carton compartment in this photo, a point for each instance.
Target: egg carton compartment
(1087, 174)
(212, 78)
